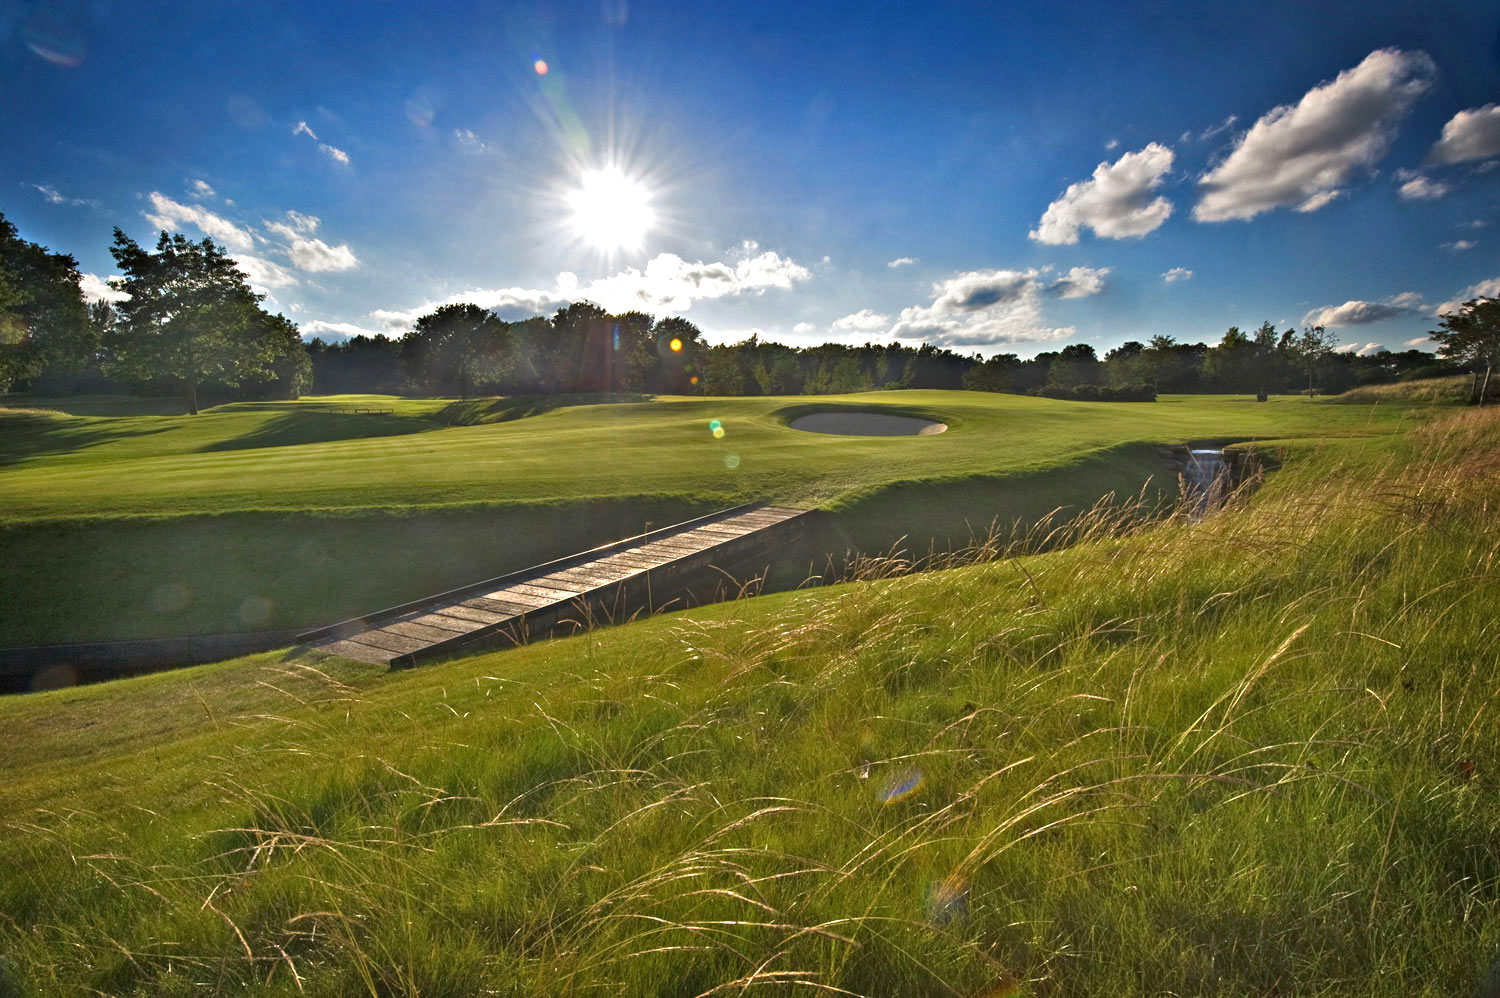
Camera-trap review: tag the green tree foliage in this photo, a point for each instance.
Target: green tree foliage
(192, 319)
(455, 347)
(1311, 348)
(1471, 336)
(45, 333)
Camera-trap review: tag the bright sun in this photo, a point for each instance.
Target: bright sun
(611, 211)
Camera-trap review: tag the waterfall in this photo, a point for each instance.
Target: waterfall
(1206, 479)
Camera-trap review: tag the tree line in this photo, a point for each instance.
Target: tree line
(189, 323)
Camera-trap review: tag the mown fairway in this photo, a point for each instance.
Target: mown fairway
(274, 515)
(1255, 755)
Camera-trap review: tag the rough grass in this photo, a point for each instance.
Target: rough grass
(1456, 390)
(288, 514)
(1250, 755)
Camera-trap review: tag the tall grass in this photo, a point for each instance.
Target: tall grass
(1253, 753)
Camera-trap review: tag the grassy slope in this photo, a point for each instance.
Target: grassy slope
(1252, 756)
(275, 515)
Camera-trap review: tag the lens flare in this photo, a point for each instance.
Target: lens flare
(693, 380)
(540, 66)
(714, 424)
(675, 346)
(731, 461)
(904, 785)
(718, 433)
(948, 900)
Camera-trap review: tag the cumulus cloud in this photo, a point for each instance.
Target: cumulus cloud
(1484, 289)
(168, 214)
(337, 155)
(1459, 245)
(1177, 274)
(333, 331)
(989, 307)
(1468, 135)
(1296, 154)
(1079, 282)
(1319, 200)
(667, 283)
(902, 261)
(306, 252)
(95, 288)
(1417, 342)
(864, 321)
(1359, 313)
(803, 327)
(264, 275)
(199, 189)
(1116, 202)
(1421, 188)
(1369, 349)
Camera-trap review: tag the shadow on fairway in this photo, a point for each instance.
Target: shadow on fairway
(506, 408)
(30, 434)
(311, 426)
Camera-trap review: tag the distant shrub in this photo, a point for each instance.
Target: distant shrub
(1136, 391)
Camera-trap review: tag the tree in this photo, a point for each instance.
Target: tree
(1311, 347)
(191, 317)
(1471, 336)
(454, 347)
(44, 323)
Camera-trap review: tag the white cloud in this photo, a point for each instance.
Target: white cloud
(307, 253)
(1177, 274)
(981, 308)
(1212, 131)
(95, 287)
(1296, 154)
(1420, 188)
(1471, 134)
(1417, 342)
(1477, 223)
(468, 140)
(1459, 245)
(54, 196)
(1319, 200)
(168, 214)
(1359, 313)
(317, 256)
(864, 321)
(199, 189)
(302, 129)
(331, 331)
(902, 261)
(337, 155)
(1369, 349)
(1484, 289)
(263, 274)
(803, 327)
(666, 284)
(1079, 282)
(1116, 203)
(1111, 145)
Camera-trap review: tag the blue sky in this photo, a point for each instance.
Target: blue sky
(1048, 172)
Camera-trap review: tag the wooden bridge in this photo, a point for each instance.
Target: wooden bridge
(687, 563)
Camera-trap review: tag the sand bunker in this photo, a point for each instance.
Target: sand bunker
(867, 424)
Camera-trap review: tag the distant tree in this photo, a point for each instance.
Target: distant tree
(998, 374)
(1311, 348)
(1471, 336)
(722, 374)
(678, 368)
(1075, 364)
(454, 347)
(190, 317)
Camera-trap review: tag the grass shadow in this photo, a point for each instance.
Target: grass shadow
(505, 408)
(297, 426)
(26, 434)
(100, 405)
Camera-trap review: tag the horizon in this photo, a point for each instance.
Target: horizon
(989, 180)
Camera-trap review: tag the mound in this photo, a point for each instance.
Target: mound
(866, 424)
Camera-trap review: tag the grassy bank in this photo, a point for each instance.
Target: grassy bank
(119, 523)
(1254, 755)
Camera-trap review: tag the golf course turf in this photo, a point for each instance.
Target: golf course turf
(1249, 755)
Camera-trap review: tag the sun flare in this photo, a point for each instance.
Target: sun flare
(611, 211)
